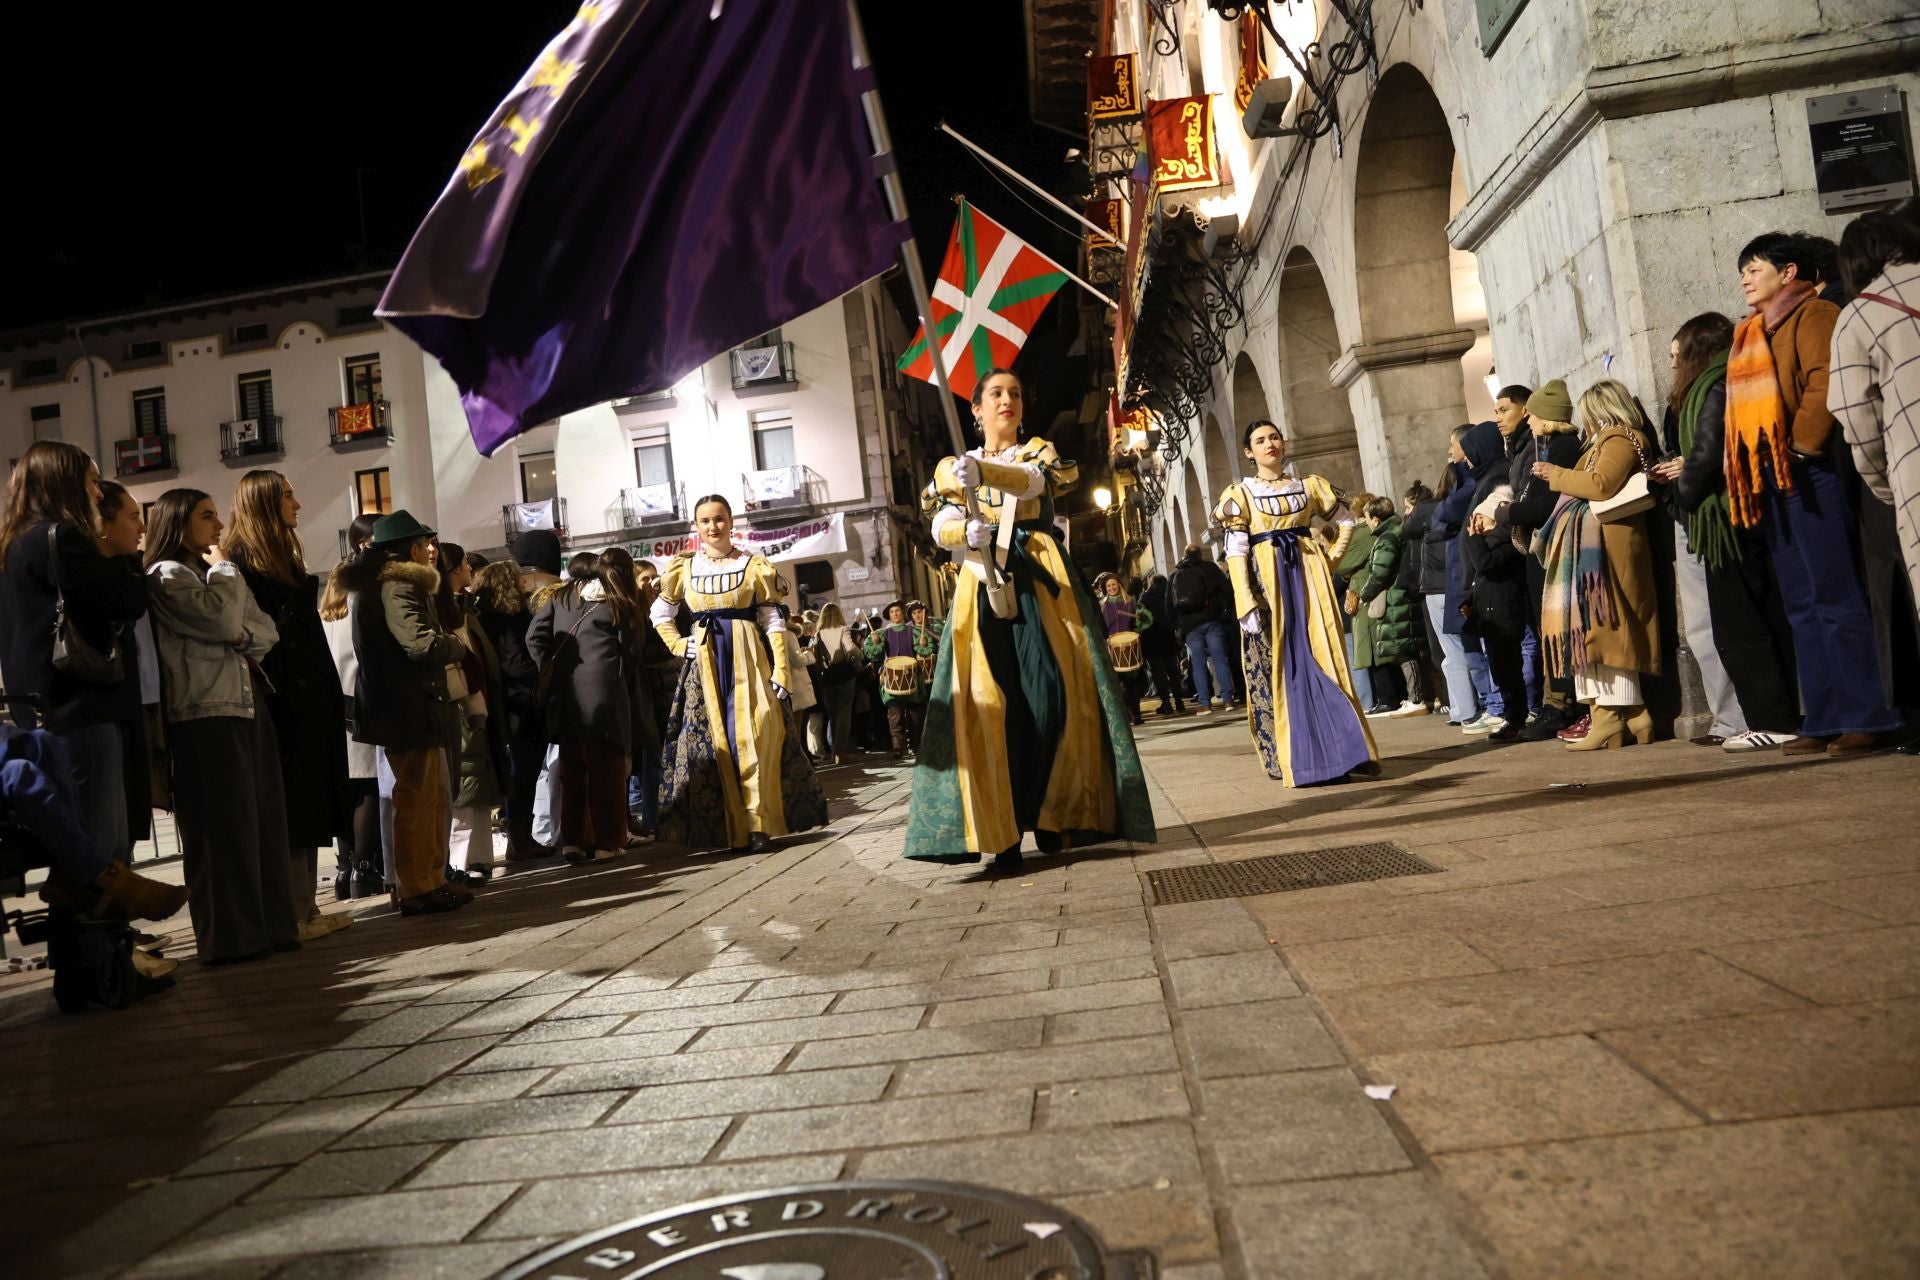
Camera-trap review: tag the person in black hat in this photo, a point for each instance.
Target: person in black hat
(402, 702)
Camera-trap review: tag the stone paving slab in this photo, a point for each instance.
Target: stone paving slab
(1588, 997)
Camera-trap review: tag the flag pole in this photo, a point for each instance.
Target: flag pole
(1063, 271)
(1000, 593)
(1030, 185)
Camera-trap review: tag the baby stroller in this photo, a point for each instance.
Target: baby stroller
(92, 959)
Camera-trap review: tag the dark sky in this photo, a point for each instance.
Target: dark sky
(184, 151)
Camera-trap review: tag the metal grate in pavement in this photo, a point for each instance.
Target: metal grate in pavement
(1285, 872)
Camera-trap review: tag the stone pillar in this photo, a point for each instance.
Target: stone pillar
(1413, 385)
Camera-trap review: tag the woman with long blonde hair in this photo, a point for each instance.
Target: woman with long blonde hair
(303, 684)
(1598, 616)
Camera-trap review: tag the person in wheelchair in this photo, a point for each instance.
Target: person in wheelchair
(40, 819)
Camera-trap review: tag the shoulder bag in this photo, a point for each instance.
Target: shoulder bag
(1635, 495)
(73, 653)
(543, 683)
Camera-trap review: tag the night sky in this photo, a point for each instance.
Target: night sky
(185, 151)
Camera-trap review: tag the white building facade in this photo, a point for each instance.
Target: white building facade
(810, 434)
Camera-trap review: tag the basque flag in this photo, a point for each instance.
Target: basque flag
(667, 181)
(992, 288)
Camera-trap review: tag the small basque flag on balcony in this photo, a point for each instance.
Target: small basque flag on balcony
(992, 288)
(142, 453)
(665, 182)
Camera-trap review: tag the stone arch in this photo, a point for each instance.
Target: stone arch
(1249, 397)
(1411, 339)
(1321, 439)
(1196, 505)
(1219, 457)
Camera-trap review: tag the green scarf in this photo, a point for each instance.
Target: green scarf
(1710, 528)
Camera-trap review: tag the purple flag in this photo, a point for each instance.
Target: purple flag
(662, 185)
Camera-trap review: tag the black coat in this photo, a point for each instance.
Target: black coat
(1219, 594)
(102, 592)
(507, 633)
(1490, 566)
(308, 709)
(1534, 498)
(1703, 474)
(1424, 566)
(599, 689)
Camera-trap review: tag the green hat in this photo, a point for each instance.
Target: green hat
(390, 530)
(1551, 403)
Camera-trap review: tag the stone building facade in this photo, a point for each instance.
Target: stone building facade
(1556, 207)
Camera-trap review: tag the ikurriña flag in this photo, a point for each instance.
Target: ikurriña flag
(668, 180)
(992, 288)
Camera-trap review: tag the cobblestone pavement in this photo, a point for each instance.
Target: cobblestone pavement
(1662, 1023)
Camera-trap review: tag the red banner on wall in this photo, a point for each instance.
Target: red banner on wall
(1253, 60)
(1180, 144)
(1110, 216)
(1113, 87)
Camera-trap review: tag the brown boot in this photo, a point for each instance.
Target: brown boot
(521, 846)
(127, 894)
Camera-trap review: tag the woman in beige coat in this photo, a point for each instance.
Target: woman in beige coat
(1599, 618)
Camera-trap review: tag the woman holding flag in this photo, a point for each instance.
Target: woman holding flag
(733, 772)
(1026, 726)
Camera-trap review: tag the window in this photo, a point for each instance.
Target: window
(771, 338)
(152, 349)
(45, 420)
(149, 412)
(256, 396)
(363, 379)
(248, 333)
(373, 492)
(538, 482)
(814, 581)
(653, 461)
(772, 438)
(355, 317)
(39, 368)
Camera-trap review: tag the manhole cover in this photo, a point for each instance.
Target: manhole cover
(1285, 872)
(846, 1231)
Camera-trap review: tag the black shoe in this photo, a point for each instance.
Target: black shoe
(1048, 842)
(436, 902)
(1163, 710)
(1507, 733)
(1008, 862)
(758, 842)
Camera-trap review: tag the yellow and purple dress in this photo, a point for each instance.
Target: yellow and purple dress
(1026, 727)
(1306, 723)
(732, 764)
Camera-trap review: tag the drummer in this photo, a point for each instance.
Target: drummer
(1125, 621)
(897, 646)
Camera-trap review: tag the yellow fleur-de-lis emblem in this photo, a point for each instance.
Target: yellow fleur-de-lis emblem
(553, 75)
(522, 131)
(479, 170)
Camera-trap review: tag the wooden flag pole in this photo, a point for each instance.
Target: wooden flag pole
(1000, 590)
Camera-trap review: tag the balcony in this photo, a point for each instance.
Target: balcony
(763, 369)
(648, 507)
(520, 517)
(145, 457)
(247, 439)
(354, 425)
(795, 488)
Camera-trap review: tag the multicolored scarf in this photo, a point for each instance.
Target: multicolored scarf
(1577, 595)
(1757, 426)
(1709, 529)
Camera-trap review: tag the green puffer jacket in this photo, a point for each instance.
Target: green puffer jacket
(1400, 634)
(1352, 570)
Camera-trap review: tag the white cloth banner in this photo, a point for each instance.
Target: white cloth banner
(533, 515)
(771, 485)
(807, 540)
(651, 500)
(759, 364)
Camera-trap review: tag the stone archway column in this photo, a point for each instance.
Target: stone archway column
(1406, 394)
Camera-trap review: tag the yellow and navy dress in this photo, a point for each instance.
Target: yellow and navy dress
(1026, 727)
(1306, 723)
(732, 764)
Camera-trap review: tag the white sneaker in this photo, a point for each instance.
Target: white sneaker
(1756, 740)
(605, 855)
(1408, 710)
(1484, 725)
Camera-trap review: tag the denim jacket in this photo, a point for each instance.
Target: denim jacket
(206, 629)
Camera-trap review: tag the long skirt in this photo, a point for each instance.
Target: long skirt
(1306, 722)
(1026, 726)
(704, 801)
(230, 809)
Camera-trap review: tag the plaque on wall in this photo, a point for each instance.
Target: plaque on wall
(1861, 152)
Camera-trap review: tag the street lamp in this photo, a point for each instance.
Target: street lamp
(1103, 498)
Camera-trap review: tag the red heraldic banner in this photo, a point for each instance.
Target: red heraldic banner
(1181, 146)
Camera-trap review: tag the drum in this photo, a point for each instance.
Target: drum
(1124, 648)
(901, 676)
(927, 664)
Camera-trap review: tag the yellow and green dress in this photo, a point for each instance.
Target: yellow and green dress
(733, 764)
(1026, 726)
(1306, 723)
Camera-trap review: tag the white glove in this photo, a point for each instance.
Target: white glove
(1251, 623)
(966, 471)
(1236, 543)
(780, 693)
(979, 534)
